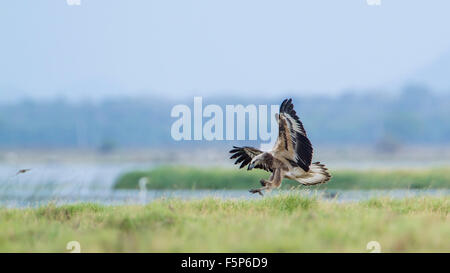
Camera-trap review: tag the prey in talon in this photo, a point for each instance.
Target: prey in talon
(290, 157)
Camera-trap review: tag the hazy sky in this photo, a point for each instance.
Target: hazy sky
(168, 47)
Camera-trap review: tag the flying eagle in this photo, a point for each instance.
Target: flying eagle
(289, 158)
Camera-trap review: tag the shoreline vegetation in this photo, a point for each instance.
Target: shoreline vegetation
(284, 223)
(183, 177)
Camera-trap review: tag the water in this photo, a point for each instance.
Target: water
(64, 184)
(117, 197)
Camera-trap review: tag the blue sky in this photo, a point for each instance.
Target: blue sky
(192, 47)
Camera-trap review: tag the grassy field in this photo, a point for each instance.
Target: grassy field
(178, 177)
(286, 223)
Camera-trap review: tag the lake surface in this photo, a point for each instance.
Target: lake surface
(63, 184)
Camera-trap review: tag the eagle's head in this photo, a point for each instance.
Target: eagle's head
(260, 160)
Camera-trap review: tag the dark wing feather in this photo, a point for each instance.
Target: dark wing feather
(302, 146)
(245, 155)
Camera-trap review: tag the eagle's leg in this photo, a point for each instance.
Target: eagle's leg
(277, 178)
(266, 185)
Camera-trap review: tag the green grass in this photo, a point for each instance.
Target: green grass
(282, 223)
(178, 177)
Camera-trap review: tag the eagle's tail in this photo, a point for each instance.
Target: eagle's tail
(317, 174)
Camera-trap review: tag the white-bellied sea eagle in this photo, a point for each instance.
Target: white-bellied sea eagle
(290, 157)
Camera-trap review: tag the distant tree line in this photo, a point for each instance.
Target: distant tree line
(415, 116)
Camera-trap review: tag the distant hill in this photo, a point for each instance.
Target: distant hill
(436, 74)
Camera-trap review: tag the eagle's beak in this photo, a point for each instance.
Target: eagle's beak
(250, 166)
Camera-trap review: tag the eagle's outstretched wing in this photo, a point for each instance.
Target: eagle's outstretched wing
(292, 143)
(245, 155)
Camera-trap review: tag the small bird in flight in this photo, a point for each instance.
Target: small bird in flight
(290, 157)
(22, 171)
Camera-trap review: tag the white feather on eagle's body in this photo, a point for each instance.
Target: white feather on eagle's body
(290, 157)
(317, 174)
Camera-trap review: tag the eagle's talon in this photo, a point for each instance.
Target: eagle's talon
(256, 191)
(263, 182)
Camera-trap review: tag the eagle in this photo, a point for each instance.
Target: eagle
(290, 157)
